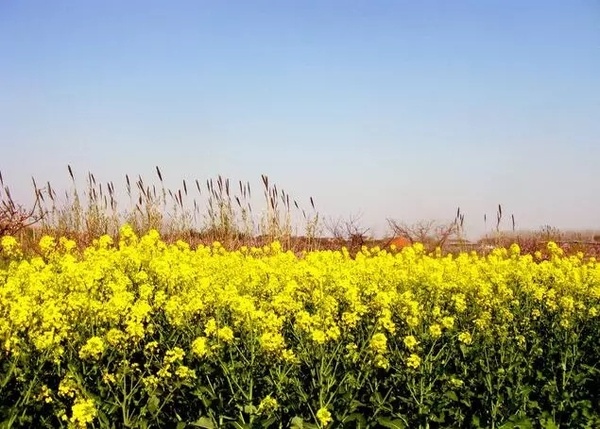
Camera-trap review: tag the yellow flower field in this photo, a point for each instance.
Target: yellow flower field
(138, 333)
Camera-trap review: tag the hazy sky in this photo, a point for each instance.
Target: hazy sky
(380, 109)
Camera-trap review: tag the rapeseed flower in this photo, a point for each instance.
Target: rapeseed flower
(45, 395)
(83, 412)
(324, 416)
(448, 322)
(225, 334)
(460, 303)
(381, 361)
(151, 383)
(176, 354)
(435, 330)
(410, 342)
(465, 338)
(378, 343)
(318, 336)
(10, 246)
(151, 347)
(107, 300)
(413, 361)
(200, 347)
(108, 378)
(185, 373)
(47, 245)
(289, 356)
(350, 319)
(272, 342)
(93, 349)
(211, 327)
(68, 387)
(413, 321)
(268, 405)
(115, 337)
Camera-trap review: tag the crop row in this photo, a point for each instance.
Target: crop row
(140, 333)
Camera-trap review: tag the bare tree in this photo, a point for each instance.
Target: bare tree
(347, 230)
(428, 232)
(14, 217)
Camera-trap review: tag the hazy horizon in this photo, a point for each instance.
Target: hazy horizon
(382, 109)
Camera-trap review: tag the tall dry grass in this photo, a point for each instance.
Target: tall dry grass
(219, 209)
(215, 211)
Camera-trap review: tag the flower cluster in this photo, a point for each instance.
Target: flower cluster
(187, 311)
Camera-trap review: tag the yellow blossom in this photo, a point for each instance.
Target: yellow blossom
(410, 342)
(10, 246)
(268, 405)
(289, 356)
(435, 330)
(460, 304)
(448, 322)
(412, 321)
(413, 361)
(350, 319)
(465, 338)
(272, 342)
(68, 387)
(199, 347)
(108, 378)
(378, 343)
(324, 416)
(211, 327)
(92, 349)
(185, 373)
(176, 354)
(115, 337)
(151, 346)
(225, 334)
(381, 361)
(83, 412)
(150, 382)
(333, 333)
(47, 245)
(318, 336)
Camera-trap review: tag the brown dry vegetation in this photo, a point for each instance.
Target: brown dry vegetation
(220, 210)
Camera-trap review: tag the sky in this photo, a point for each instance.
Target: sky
(377, 109)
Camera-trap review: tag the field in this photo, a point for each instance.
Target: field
(141, 319)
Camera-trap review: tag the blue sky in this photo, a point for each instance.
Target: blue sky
(377, 109)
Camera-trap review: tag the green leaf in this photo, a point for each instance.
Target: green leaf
(517, 421)
(268, 422)
(204, 422)
(437, 418)
(250, 409)
(548, 424)
(451, 395)
(391, 424)
(358, 418)
(153, 404)
(7, 377)
(181, 425)
(297, 423)
(103, 418)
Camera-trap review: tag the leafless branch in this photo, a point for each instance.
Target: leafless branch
(14, 217)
